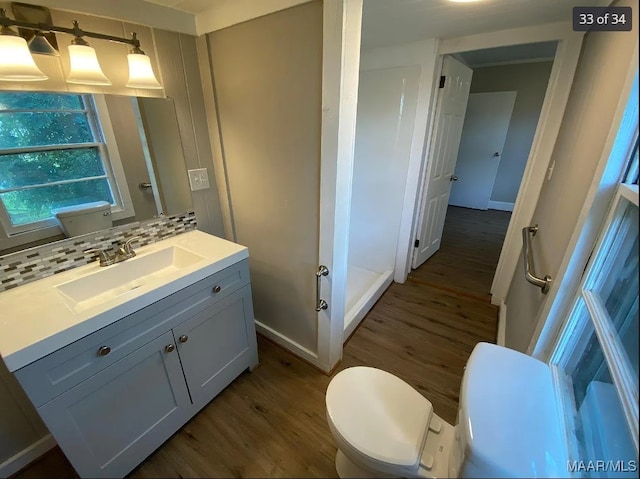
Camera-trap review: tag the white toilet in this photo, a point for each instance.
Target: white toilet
(86, 218)
(508, 424)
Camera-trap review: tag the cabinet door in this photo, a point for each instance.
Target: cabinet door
(109, 423)
(216, 345)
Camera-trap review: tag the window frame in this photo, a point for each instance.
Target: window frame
(99, 121)
(572, 333)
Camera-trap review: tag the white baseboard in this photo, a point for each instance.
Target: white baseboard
(289, 344)
(24, 457)
(500, 205)
(502, 324)
(359, 310)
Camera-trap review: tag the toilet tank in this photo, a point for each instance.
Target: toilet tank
(85, 218)
(508, 420)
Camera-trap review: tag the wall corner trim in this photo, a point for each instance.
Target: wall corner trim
(26, 456)
(290, 345)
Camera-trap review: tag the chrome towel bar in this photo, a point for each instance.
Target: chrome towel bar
(320, 303)
(530, 275)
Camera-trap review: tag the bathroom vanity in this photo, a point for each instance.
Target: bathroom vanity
(117, 359)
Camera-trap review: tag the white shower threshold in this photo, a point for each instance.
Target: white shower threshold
(364, 288)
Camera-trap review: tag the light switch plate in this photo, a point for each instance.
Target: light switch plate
(198, 179)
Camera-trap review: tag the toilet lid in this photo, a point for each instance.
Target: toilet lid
(379, 415)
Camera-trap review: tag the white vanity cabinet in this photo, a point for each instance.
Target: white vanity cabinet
(111, 398)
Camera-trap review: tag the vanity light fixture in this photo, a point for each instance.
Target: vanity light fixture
(40, 45)
(16, 62)
(83, 63)
(140, 71)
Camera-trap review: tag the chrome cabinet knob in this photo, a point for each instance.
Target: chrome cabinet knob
(169, 348)
(184, 338)
(453, 178)
(217, 289)
(104, 350)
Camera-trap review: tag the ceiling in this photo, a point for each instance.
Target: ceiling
(528, 52)
(385, 22)
(393, 22)
(189, 6)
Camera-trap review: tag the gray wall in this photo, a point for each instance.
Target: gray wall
(268, 86)
(125, 130)
(600, 75)
(178, 59)
(530, 81)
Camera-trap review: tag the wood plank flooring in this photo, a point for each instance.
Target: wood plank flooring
(271, 422)
(469, 251)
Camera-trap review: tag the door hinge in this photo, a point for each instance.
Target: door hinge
(443, 79)
(416, 243)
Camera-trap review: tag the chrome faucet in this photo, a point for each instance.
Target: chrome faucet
(124, 252)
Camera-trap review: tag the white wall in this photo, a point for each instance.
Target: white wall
(596, 90)
(422, 54)
(387, 100)
(530, 81)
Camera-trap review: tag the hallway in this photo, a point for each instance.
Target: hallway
(469, 252)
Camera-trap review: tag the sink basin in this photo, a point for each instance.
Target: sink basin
(122, 278)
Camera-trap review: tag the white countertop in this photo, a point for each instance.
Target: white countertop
(35, 319)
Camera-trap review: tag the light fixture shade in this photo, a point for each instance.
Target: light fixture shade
(140, 72)
(84, 67)
(16, 62)
(41, 46)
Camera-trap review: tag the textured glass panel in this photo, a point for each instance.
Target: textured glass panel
(41, 167)
(39, 101)
(602, 429)
(28, 206)
(43, 128)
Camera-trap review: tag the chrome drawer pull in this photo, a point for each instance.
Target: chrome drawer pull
(169, 347)
(184, 338)
(104, 350)
(217, 289)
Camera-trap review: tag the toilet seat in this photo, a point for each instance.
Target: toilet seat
(380, 418)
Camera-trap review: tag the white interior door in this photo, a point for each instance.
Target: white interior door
(485, 130)
(450, 112)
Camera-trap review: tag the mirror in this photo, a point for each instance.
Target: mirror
(51, 150)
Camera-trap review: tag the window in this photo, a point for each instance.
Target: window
(596, 356)
(53, 154)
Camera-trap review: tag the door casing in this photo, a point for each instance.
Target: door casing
(538, 164)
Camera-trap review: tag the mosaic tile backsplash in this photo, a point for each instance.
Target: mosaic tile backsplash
(36, 263)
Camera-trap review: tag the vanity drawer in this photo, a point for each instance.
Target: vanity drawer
(61, 370)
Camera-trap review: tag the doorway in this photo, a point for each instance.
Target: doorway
(486, 159)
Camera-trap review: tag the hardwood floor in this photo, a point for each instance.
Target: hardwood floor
(469, 251)
(271, 422)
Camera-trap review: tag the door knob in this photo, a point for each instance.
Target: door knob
(496, 154)
(453, 178)
(169, 347)
(184, 338)
(217, 289)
